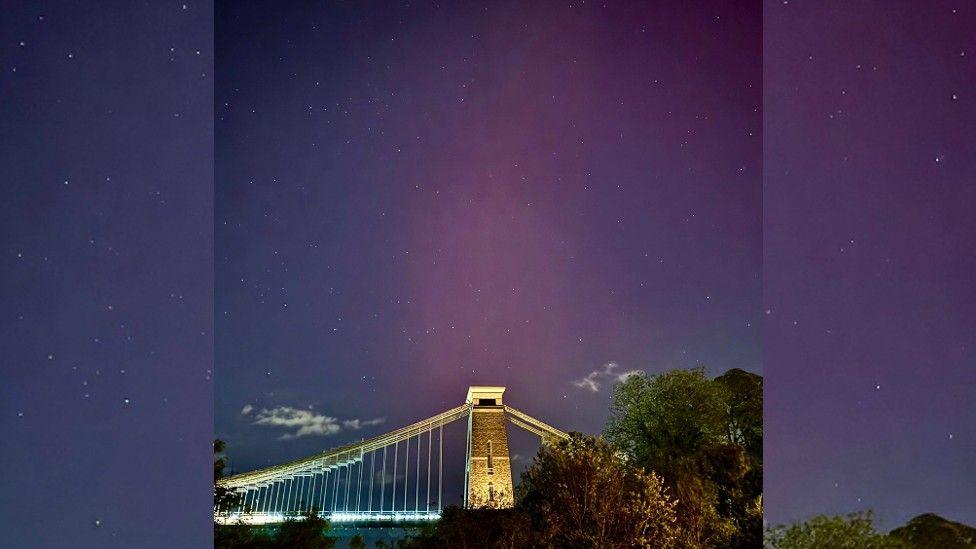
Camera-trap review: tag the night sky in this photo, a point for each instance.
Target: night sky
(413, 198)
(106, 255)
(869, 346)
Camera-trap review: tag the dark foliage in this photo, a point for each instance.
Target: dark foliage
(856, 531)
(931, 531)
(223, 498)
(307, 531)
(473, 528)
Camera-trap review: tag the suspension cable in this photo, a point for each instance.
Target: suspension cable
(406, 470)
(416, 492)
(359, 485)
(396, 449)
(335, 489)
(383, 484)
(440, 468)
(345, 504)
(372, 473)
(326, 477)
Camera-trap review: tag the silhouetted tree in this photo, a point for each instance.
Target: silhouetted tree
(854, 531)
(310, 532)
(224, 498)
(744, 410)
(473, 528)
(930, 531)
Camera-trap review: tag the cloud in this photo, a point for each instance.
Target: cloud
(303, 423)
(595, 380)
(621, 377)
(357, 424)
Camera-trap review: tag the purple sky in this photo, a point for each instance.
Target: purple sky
(869, 346)
(413, 199)
(106, 224)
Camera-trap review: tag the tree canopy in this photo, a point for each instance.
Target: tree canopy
(704, 437)
(224, 498)
(853, 531)
(930, 531)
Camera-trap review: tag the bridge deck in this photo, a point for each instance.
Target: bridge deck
(362, 518)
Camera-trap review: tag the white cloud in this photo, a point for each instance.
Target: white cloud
(595, 380)
(302, 423)
(357, 424)
(589, 382)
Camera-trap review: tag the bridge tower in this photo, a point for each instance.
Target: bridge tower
(488, 471)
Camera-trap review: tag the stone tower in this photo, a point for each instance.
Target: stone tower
(488, 473)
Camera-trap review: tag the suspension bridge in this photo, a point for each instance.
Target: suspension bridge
(396, 477)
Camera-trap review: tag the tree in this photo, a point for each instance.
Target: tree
(310, 532)
(744, 410)
(740, 484)
(224, 498)
(583, 493)
(357, 542)
(853, 531)
(704, 437)
(659, 420)
(930, 531)
(479, 528)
